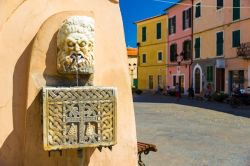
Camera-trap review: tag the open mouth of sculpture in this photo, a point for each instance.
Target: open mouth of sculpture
(80, 64)
(76, 57)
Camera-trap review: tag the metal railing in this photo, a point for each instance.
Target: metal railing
(244, 50)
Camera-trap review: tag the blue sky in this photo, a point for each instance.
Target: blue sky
(134, 10)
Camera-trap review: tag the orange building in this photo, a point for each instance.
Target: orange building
(215, 43)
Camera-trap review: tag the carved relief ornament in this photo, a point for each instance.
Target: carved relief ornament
(75, 43)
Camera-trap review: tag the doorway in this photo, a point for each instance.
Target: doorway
(220, 80)
(150, 82)
(180, 79)
(197, 81)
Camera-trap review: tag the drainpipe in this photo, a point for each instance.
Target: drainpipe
(192, 47)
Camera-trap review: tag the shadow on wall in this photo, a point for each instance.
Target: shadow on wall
(12, 150)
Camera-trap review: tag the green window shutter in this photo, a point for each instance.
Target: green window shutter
(158, 30)
(183, 19)
(144, 58)
(187, 49)
(173, 50)
(190, 16)
(198, 10)
(219, 43)
(210, 73)
(220, 4)
(169, 26)
(172, 53)
(236, 38)
(236, 10)
(197, 48)
(159, 56)
(174, 22)
(144, 34)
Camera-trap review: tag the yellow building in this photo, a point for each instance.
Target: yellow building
(152, 45)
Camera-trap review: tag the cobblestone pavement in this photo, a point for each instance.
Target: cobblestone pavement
(192, 133)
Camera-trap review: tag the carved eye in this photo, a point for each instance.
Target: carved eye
(71, 44)
(90, 45)
(82, 44)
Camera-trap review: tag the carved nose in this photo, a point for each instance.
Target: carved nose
(77, 48)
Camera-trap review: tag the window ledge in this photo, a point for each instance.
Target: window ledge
(234, 21)
(220, 9)
(219, 56)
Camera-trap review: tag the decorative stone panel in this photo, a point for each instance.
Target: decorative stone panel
(78, 117)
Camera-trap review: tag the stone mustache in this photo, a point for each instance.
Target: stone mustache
(82, 116)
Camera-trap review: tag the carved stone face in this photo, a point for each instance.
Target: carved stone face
(75, 42)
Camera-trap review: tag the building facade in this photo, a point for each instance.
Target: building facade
(151, 41)
(237, 38)
(179, 45)
(132, 66)
(215, 59)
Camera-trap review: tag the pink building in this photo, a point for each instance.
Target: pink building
(179, 45)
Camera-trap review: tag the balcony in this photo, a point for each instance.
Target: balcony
(244, 50)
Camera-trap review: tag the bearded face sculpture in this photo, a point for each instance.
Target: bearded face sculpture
(75, 43)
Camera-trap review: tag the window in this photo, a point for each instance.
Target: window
(236, 38)
(159, 57)
(219, 43)
(144, 58)
(173, 52)
(174, 80)
(186, 19)
(220, 4)
(150, 82)
(197, 47)
(186, 49)
(172, 25)
(144, 34)
(236, 79)
(197, 10)
(210, 73)
(158, 31)
(236, 10)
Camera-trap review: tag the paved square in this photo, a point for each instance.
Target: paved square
(193, 133)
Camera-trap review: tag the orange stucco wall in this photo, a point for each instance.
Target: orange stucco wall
(27, 41)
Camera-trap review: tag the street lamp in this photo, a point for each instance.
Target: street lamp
(179, 59)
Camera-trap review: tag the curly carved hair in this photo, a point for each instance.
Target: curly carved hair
(76, 24)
